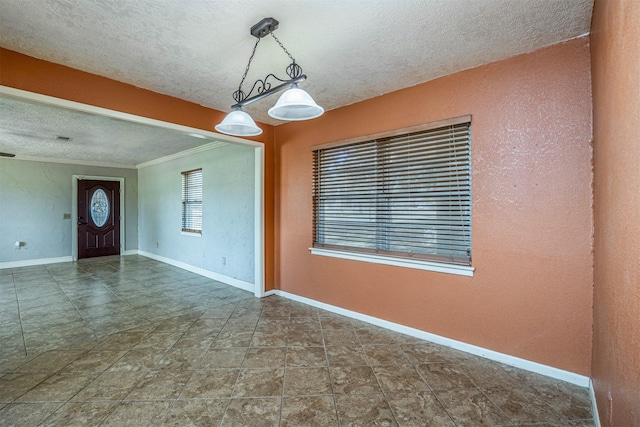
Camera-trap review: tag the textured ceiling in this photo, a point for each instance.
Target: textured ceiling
(31, 130)
(351, 50)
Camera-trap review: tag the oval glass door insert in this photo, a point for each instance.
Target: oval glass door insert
(99, 207)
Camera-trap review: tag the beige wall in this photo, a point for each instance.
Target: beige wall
(616, 128)
(531, 296)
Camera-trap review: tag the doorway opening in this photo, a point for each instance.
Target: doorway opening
(98, 218)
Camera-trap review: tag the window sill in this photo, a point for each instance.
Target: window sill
(460, 270)
(188, 233)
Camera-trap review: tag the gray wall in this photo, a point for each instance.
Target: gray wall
(228, 175)
(34, 196)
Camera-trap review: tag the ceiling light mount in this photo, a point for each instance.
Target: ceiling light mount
(294, 104)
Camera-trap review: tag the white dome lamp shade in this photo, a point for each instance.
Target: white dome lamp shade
(295, 104)
(238, 123)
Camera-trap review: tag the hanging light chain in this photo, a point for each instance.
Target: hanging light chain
(239, 95)
(293, 70)
(283, 48)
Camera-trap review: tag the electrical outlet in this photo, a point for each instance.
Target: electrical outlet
(224, 260)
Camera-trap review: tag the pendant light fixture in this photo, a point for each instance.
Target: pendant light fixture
(294, 103)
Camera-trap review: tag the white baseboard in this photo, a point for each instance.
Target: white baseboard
(271, 292)
(31, 262)
(130, 252)
(516, 362)
(201, 271)
(594, 405)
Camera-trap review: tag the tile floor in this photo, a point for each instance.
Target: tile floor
(131, 341)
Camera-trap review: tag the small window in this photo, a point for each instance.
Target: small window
(405, 194)
(192, 201)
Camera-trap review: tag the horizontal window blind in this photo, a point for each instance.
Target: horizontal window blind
(192, 201)
(405, 195)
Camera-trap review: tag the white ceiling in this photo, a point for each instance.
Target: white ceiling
(197, 50)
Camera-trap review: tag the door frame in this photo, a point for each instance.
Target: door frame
(74, 211)
(259, 165)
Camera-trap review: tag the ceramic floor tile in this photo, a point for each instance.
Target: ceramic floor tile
(58, 387)
(571, 401)
(259, 412)
(269, 339)
(181, 358)
(307, 381)
(424, 353)
(259, 383)
(27, 414)
(364, 410)
(270, 357)
(75, 414)
(14, 385)
(137, 414)
(138, 360)
(443, 376)
(523, 405)
(109, 386)
(317, 411)
(94, 361)
(418, 409)
(217, 358)
(306, 357)
(354, 380)
(399, 378)
(346, 356)
(164, 384)
(197, 413)
(211, 384)
(135, 341)
(469, 407)
(385, 355)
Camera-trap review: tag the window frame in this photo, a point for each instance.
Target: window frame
(380, 256)
(189, 197)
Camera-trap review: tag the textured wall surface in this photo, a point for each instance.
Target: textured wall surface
(34, 196)
(227, 218)
(616, 129)
(531, 295)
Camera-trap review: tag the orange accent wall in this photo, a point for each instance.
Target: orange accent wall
(531, 296)
(34, 75)
(616, 127)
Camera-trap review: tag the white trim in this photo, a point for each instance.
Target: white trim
(74, 210)
(201, 271)
(549, 371)
(129, 252)
(594, 404)
(271, 292)
(73, 162)
(196, 150)
(189, 233)
(460, 270)
(258, 227)
(31, 262)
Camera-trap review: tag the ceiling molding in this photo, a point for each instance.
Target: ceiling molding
(72, 162)
(202, 148)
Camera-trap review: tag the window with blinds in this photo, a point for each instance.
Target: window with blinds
(402, 195)
(192, 201)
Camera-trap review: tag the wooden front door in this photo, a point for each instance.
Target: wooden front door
(98, 218)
